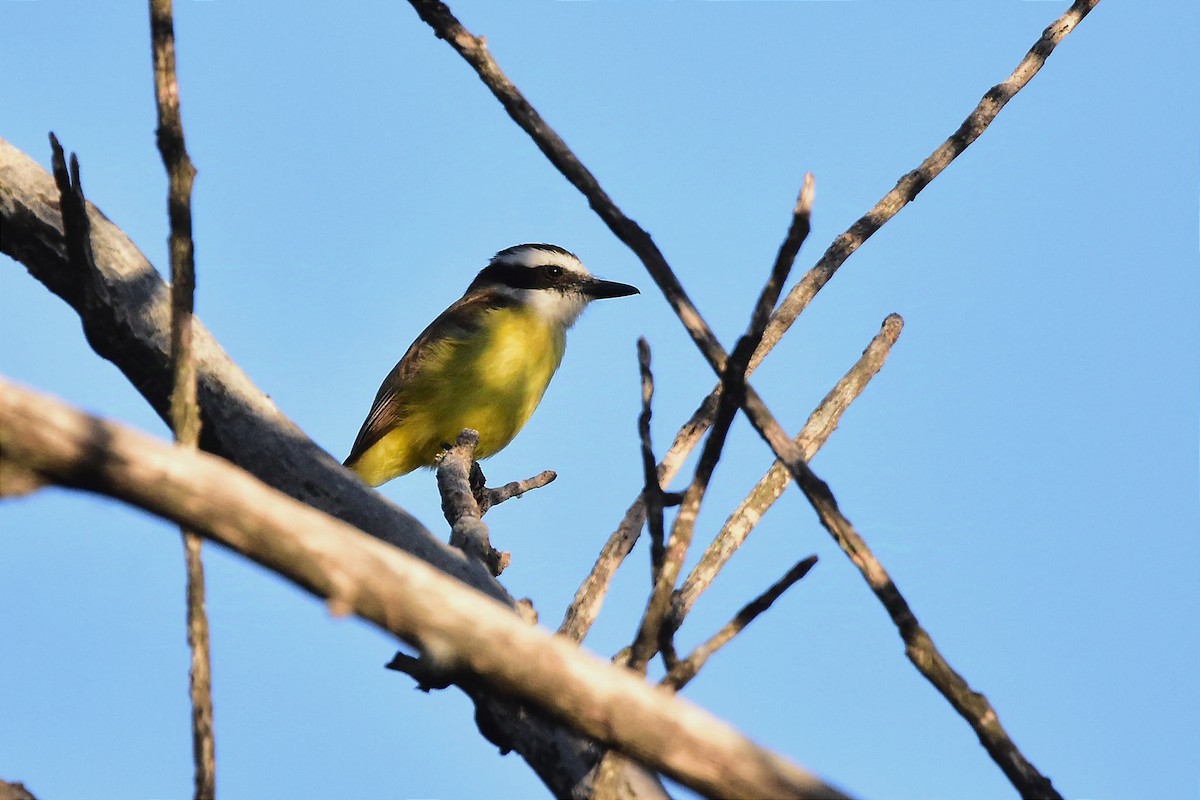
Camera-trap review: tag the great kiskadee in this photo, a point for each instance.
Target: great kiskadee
(484, 363)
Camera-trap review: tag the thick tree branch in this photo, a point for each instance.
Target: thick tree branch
(127, 321)
(469, 635)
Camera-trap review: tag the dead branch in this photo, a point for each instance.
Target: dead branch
(655, 633)
(467, 529)
(184, 406)
(973, 707)
(816, 431)
(125, 316)
(471, 636)
(494, 497)
(590, 596)
(689, 667)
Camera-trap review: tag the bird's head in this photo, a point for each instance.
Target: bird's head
(546, 279)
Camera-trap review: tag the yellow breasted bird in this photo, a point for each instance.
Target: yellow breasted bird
(484, 363)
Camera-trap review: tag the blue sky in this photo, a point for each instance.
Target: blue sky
(1025, 465)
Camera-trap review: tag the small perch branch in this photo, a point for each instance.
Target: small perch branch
(467, 529)
(688, 668)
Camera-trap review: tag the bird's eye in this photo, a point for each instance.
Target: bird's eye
(554, 272)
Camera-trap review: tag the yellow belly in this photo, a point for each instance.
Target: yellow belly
(491, 382)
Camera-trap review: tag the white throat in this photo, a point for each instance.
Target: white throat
(552, 305)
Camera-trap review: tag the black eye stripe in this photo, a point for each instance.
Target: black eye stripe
(546, 276)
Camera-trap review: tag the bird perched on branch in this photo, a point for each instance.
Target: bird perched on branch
(484, 363)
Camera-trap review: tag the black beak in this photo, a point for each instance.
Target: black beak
(597, 289)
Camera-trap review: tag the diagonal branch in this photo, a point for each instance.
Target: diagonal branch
(683, 672)
(471, 636)
(586, 605)
(816, 431)
(911, 184)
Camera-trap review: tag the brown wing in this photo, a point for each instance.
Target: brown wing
(459, 321)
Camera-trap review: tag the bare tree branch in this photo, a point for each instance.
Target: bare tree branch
(467, 529)
(973, 707)
(654, 632)
(651, 490)
(816, 431)
(586, 605)
(909, 186)
(126, 318)
(689, 667)
(470, 636)
(494, 497)
(184, 406)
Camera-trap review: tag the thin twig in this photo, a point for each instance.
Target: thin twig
(816, 431)
(651, 488)
(792, 242)
(185, 410)
(490, 498)
(586, 606)
(689, 667)
(911, 184)
(482, 640)
(654, 633)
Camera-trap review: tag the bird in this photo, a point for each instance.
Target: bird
(483, 363)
